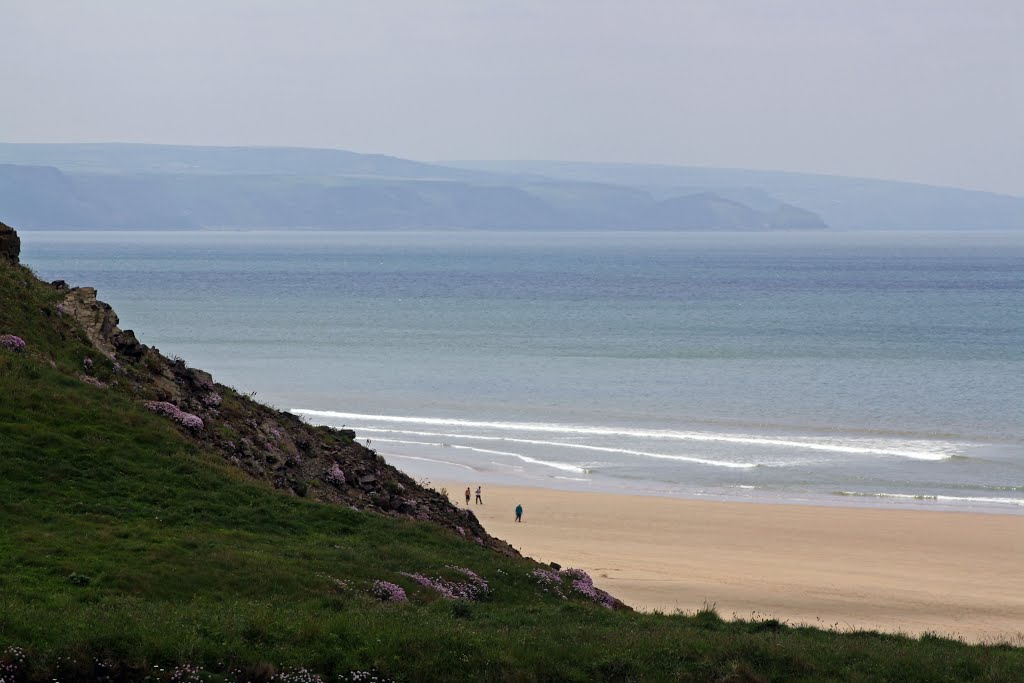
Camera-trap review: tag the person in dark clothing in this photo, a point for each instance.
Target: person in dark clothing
(519, 512)
(467, 495)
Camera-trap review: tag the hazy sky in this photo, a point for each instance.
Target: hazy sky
(925, 90)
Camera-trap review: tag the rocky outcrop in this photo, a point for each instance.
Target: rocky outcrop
(99, 322)
(10, 244)
(97, 319)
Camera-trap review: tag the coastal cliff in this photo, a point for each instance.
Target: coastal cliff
(315, 462)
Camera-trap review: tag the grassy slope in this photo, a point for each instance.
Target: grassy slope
(190, 562)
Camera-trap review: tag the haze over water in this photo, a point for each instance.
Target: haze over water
(859, 368)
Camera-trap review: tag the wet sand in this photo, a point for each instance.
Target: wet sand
(952, 573)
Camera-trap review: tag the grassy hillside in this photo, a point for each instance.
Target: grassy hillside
(133, 548)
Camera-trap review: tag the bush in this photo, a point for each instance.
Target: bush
(80, 580)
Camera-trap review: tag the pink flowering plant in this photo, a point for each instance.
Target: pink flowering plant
(12, 342)
(553, 582)
(12, 664)
(335, 475)
(583, 584)
(476, 588)
(299, 675)
(211, 400)
(187, 420)
(187, 673)
(364, 677)
(474, 578)
(549, 580)
(388, 592)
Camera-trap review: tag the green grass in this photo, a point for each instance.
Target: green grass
(124, 546)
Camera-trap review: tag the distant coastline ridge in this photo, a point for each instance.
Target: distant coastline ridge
(133, 186)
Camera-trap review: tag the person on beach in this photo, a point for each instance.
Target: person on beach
(479, 500)
(519, 512)
(467, 495)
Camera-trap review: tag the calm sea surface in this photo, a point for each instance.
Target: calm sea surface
(851, 368)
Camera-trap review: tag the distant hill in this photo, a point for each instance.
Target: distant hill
(128, 186)
(121, 186)
(179, 159)
(844, 203)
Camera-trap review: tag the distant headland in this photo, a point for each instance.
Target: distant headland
(134, 187)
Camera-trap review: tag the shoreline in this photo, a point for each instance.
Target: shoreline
(956, 574)
(423, 464)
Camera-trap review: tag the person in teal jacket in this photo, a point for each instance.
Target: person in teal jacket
(519, 512)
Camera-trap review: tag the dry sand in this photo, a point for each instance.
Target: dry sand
(911, 571)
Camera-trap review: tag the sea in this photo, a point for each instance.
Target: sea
(881, 369)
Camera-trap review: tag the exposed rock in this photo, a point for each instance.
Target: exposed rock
(200, 379)
(97, 319)
(10, 244)
(127, 345)
(167, 389)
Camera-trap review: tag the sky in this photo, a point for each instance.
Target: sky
(923, 90)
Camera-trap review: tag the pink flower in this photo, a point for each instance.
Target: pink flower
(583, 584)
(388, 592)
(335, 475)
(550, 580)
(12, 342)
(475, 589)
(187, 420)
(211, 400)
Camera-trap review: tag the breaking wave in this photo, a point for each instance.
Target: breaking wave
(935, 497)
(924, 451)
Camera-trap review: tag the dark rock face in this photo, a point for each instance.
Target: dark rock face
(10, 244)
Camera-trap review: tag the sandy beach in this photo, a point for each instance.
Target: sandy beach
(952, 573)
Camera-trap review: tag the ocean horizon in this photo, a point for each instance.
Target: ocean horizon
(860, 369)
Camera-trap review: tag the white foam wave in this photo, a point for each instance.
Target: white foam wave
(932, 452)
(586, 447)
(935, 497)
(557, 465)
